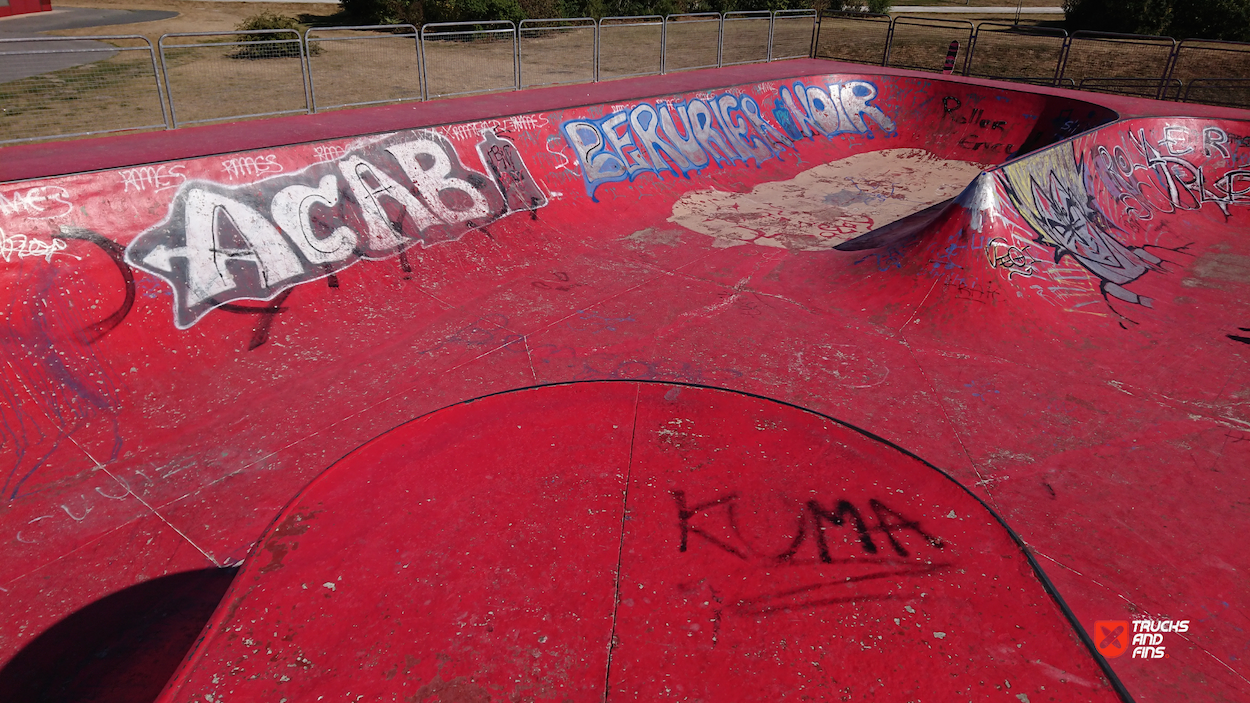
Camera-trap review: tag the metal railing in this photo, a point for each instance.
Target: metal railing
(197, 77)
(792, 35)
(618, 36)
(58, 87)
(94, 87)
(855, 37)
(692, 41)
(1103, 56)
(366, 65)
(1012, 52)
(481, 55)
(741, 39)
(1162, 89)
(1195, 58)
(556, 38)
(1124, 64)
(926, 42)
(1228, 92)
(258, 74)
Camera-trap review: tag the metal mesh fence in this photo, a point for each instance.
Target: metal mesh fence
(1135, 87)
(922, 44)
(792, 34)
(692, 41)
(744, 37)
(1093, 55)
(469, 57)
(52, 87)
(56, 87)
(1016, 53)
(253, 74)
(1198, 59)
(853, 36)
(363, 65)
(631, 46)
(557, 51)
(1228, 92)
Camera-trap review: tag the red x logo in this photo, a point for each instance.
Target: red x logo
(1111, 637)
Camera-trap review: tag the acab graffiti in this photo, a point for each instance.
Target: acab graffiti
(251, 242)
(681, 137)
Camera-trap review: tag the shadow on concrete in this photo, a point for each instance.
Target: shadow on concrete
(120, 649)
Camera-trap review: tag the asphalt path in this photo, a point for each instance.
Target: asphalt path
(17, 61)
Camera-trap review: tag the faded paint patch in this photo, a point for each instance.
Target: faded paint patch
(829, 204)
(651, 237)
(1214, 270)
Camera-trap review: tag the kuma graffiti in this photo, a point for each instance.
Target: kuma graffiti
(680, 137)
(222, 243)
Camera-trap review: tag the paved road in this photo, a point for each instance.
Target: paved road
(66, 53)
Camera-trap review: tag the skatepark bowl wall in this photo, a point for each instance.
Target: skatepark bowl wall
(790, 381)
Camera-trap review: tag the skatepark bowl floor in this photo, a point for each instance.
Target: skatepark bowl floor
(792, 381)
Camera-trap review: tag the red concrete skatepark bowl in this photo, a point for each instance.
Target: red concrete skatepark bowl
(795, 381)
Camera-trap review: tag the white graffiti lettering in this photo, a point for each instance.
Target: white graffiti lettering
(157, 178)
(1016, 261)
(328, 152)
(251, 166)
(222, 243)
(1161, 175)
(21, 246)
(38, 203)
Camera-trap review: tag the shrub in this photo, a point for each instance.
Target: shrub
(268, 20)
(418, 11)
(384, 11)
(1181, 19)
(471, 10)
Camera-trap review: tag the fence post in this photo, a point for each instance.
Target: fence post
(720, 39)
(312, 88)
(811, 54)
(169, 96)
(1062, 64)
(1171, 67)
(156, 76)
(972, 49)
(889, 43)
(425, 83)
(305, 62)
(516, 58)
(663, 46)
(772, 25)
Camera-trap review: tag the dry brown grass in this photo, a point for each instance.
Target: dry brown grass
(207, 82)
(115, 93)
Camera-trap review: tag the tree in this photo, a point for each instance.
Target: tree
(1214, 19)
(1182, 19)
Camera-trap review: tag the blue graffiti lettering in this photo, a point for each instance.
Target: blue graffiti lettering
(681, 137)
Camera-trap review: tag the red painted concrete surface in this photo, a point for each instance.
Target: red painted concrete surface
(714, 547)
(22, 7)
(189, 343)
